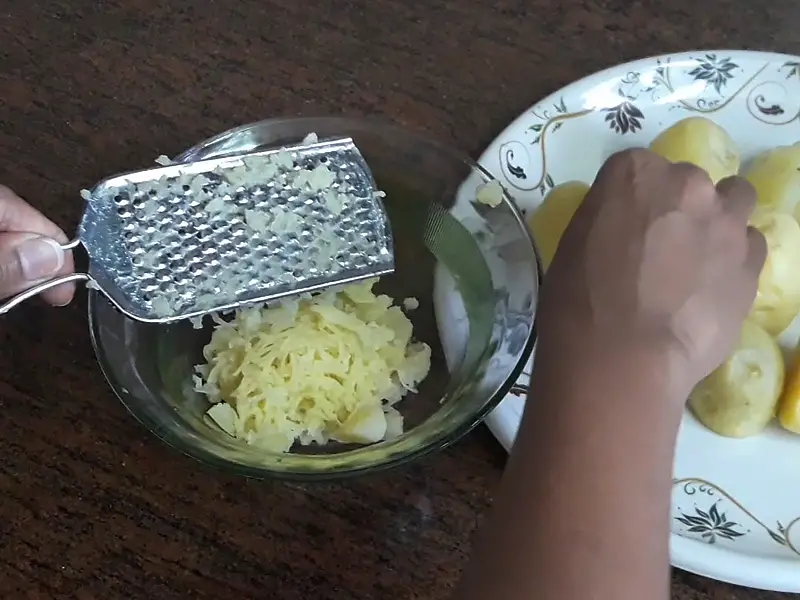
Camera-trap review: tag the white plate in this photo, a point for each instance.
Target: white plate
(735, 503)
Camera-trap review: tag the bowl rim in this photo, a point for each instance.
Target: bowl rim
(435, 444)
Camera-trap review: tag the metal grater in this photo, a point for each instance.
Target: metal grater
(185, 240)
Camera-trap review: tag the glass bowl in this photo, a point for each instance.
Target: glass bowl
(477, 294)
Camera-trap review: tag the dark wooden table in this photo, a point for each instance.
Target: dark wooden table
(91, 505)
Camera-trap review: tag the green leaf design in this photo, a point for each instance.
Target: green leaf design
(780, 536)
(690, 520)
(714, 72)
(716, 518)
(710, 525)
(624, 118)
(777, 537)
(793, 69)
(727, 533)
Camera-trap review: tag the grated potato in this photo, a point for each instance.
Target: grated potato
(325, 368)
(490, 193)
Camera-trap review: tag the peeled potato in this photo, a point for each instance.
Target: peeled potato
(738, 399)
(789, 405)
(778, 300)
(701, 142)
(364, 426)
(550, 220)
(776, 176)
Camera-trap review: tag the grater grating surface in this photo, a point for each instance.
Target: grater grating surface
(186, 239)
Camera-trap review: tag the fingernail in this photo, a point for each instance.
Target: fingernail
(40, 258)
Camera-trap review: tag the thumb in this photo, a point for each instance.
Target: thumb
(27, 259)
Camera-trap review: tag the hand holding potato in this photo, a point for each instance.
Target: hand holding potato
(657, 264)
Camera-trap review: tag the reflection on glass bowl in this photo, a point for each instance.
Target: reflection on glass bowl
(476, 285)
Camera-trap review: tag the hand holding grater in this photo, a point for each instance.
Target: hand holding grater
(184, 240)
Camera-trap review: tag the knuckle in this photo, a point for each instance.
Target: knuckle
(625, 162)
(693, 177)
(737, 185)
(628, 156)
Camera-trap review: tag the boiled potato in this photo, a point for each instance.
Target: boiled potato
(778, 300)
(738, 399)
(550, 220)
(701, 142)
(789, 405)
(776, 176)
(366, 425)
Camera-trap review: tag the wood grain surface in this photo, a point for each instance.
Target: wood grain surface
(91, 505)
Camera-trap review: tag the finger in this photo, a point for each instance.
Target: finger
(620, 166)
(756, 251)
(695, 192)
(18, 215)
(738, 197)
(27, 259)
(62, 294)
(617, 170)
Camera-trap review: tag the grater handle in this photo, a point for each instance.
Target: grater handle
(42, 287)
(71, 245)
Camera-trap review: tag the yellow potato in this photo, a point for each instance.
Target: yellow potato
(776, 176)
(738, 399)
(778, 300)
(789, 405)
(550, 220)
(701, 142)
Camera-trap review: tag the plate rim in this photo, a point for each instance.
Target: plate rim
(759, 572)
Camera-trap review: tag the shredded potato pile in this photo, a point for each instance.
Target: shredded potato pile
(325, 368)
